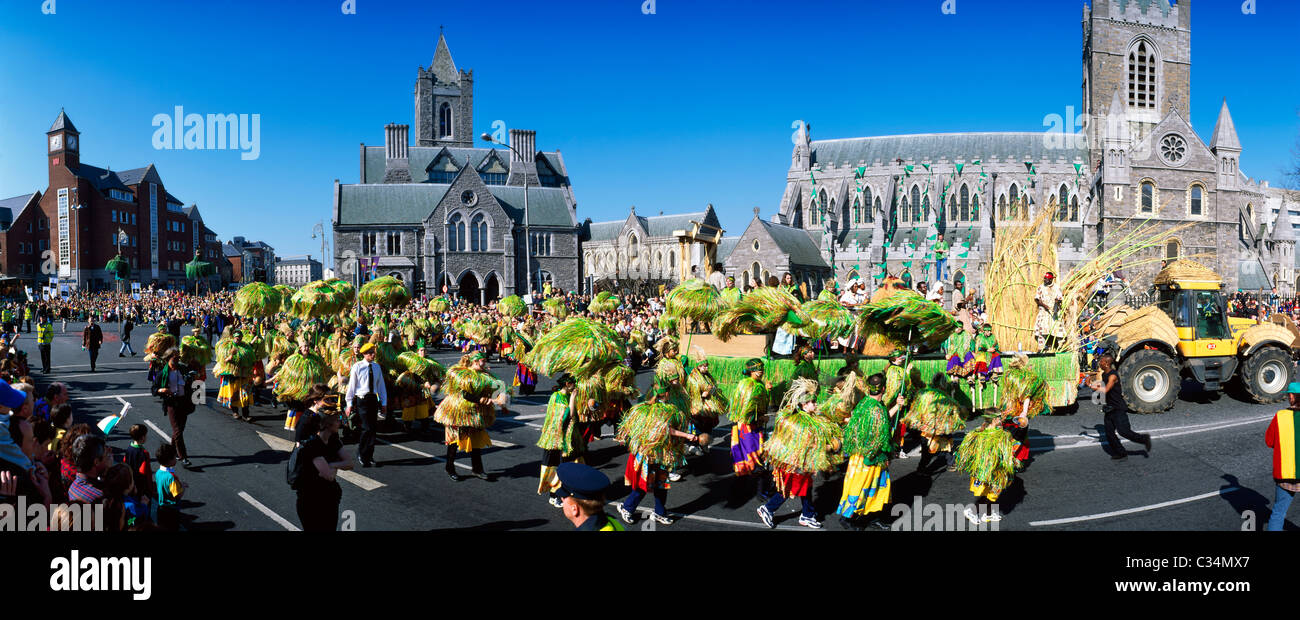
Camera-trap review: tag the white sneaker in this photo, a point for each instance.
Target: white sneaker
(766, 516)
(810, 522)
(625, 515)
(661, 519)
(972, 517)
(993, 517)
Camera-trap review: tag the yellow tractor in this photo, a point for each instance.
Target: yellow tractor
(1188, 333)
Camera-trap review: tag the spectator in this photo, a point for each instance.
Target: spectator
(91, 339)
(169, 489)
(319, 459)
(1281, 437)
(92, 458)
(127, 327)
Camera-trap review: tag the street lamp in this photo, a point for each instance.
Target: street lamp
(528, 245)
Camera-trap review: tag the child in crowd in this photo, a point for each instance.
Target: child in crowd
(170, 489)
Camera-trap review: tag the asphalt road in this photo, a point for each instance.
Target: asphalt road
(1209, 470)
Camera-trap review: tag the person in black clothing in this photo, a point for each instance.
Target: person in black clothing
(91, 339)
(319, 458)
(1115, 411)
(127, 326)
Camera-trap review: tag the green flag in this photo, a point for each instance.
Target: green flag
(976, 162)
(1077, 167)
(926, 166)
(908, 169)
(959, 167)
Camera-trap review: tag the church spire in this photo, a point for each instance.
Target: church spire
(1225, 133)
(444, 68)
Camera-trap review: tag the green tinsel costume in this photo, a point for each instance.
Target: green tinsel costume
(804, 442)
(749, 402)
(560, 428)
(644, 430)
(868, 432)
(699, 382)
(988, 456)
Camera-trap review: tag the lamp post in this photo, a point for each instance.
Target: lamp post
(528, 242)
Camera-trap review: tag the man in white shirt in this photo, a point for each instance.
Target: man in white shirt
(367, 394)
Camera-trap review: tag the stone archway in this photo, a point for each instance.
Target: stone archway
(491, 289)
(469, 288)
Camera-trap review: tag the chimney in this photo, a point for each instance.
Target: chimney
(396, 166)
(524, 141)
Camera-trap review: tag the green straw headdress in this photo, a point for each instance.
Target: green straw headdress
(159, 342)
(905, 315)
(556, 308)
(512, 306)
(1019, 382)
(196, 350)
(464, 388)
(603, 302)
(620, 382)
(694, 299)
(427, 369)
(933, 412)
(988, 456)
(668, 324)
(644, 430)
(298, 374)
(439, 304)
(387, 292)
(828, 319)
(578, 346)
(762, 310)
(316, 299)
(257, 300)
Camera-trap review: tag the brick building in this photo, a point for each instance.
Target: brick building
(87, 213)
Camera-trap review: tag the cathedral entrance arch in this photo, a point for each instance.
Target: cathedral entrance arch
(469, 288)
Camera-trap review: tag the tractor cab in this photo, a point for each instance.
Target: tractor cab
(1200, 314)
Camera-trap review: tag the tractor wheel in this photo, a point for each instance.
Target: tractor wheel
(1150, 381)
(1266, 374)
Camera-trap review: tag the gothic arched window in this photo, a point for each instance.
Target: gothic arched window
(1142, 76)
(916, 204)
(478, 234)
(444, 120)
(1148, 197)
(965, 203)
(857, 210)
(1063, 203)
(1013, 196)
(456, 234)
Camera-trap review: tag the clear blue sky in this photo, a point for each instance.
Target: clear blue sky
(670, 111)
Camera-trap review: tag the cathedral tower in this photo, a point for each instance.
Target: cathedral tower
(444, 102)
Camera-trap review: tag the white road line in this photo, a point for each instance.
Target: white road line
(118, 396)
(531, 416)
(284, 523)
(165, 436)
(1128, 511)
(424, 454)
(284, 445)
(1085, 436)
(753, 524)
(1092, 443)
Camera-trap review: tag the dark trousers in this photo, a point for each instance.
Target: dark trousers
(94, 355)
(368, 417)
(475, 459)
(178, 415)
(29, 325)
(318, 511)
(806, 510)
(1116, 423)
(45, 357)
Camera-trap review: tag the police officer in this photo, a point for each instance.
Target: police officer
(582, 490)
(28, 311)
(44, 338)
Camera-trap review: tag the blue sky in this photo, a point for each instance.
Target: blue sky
(690, 105)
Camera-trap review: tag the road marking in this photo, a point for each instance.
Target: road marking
(284, 445)
(1092, 443)
(1086, 436)
(532, 416)
(1128, 511)
(118, 396)
(753, 524)
(167, 438)
(284, 523)
(424, 454)
(87, 365)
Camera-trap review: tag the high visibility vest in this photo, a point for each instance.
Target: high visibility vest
(44, 333)
(28, 313)
(7, 315)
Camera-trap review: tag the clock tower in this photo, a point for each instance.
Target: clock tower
(64, 143)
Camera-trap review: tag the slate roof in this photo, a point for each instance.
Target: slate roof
(411, 203)
(1145, 5)
(102, 180)
(725, 247)
(1001, 146)
(419, 158)
(795, 243)
(1250, 277)
(604, 231)
(230, 251)
(11, 208)
(132, 176)
(63, 122)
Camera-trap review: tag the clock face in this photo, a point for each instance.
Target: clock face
(56, 142)
(72, 142)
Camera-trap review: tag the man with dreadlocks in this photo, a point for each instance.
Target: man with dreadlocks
(653, 432)
(867, 446)
(804, 443)
(467, 411)
(561, 440)
(748, 416)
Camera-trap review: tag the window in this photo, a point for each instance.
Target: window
(1194, 201)
(1074, 208)
(478, 233)
(494, 178)
(65, 256)
(876, 209)
(857, 210)
(456, 234)
(368, 243)
(442, 176)
(394, 240)
(44, 244)
(1142, 77)
(1172, 248)
(868, 213)
(544, 277)
(1013, 196)
(1148, 197)
(444, 120)
(133, 219)
(917, 215)
(952, 208)
(43, 223)
(1002, 207)
(175, 207)
(756, 273)
(819, 214)
(965, 203)
(1172, 149)
(1062, 203)
(114, 216)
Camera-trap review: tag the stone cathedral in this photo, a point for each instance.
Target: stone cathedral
(1137, 157)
